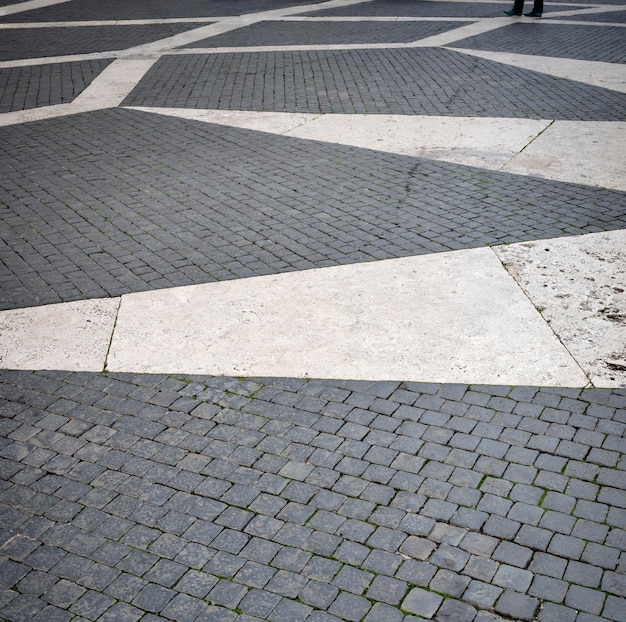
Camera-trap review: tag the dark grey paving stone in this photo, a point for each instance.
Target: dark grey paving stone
(59, 569)
(593, 2)
(425, 81)
(146, 9)
(610, 17)
(24, 43)
(410, 8)
(22, 88)
(315, 33)
(541, 38)
(111, 202)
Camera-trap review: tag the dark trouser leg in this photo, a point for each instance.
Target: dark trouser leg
(518, 5)
(538, 6)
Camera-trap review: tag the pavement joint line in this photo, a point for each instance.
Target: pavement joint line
(112, 334)
(527, 294)
(114, 83)
(534, 138)
(20, 7)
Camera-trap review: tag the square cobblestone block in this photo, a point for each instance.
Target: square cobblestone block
(584, 599)
(451, 583)
(481, 594)
(387, 590)
(349, 607)
(422, 603)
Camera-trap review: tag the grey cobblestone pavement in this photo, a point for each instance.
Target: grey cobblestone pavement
(157, 195)
(407, 8)
(22, 88)
(79, 10)
(616, 17)
(309, 33)
(19, 43)
(396, 81)
(285, 499)
(601, 43)
(137, 497)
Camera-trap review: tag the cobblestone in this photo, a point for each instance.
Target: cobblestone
(341, 550)
(98, 273)
(171, 497)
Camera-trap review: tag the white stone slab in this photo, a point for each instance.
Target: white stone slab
(74, 336)
(449, 317)
(593, 153)
(18, 7)
(115, 82)
(579, 284)
(488, 143)
(272, 122)
(606, 75)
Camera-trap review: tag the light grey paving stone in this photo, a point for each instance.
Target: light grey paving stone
(583, 574)
(517, 606)
(259, 603)
(603, 556)
(548, 589)
(566, 546)
(549, 565)
(319, 595)
(511, 577)
(449, 583)
(227, 594)
(387, 590)
(353, 580)
(481, 594)
(449, 557)
(584, 599)
(481, 568)
(196, 583)
(383, 563)
(533, 537)
(251, 574)
(418, 573)
(456, 611)
(349, 607)
(417, 547)
(184, 608)
(614, 609)
(512, 554)
(286, 583)
(614, 583)
(382, 612)
(422, 603)
(502, 528)
(290, 611)
(550, 612)
(449, 534)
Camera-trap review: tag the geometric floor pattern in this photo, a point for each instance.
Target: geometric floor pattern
(192, 498)
(117, 201)
(396, 81)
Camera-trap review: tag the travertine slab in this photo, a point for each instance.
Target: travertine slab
(449, 317)
(74, 336)
(579, 285)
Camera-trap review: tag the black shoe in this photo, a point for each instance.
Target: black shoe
(533, 14)
(512, 12)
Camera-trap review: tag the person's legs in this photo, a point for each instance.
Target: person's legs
(537, 9)
(518, 6)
